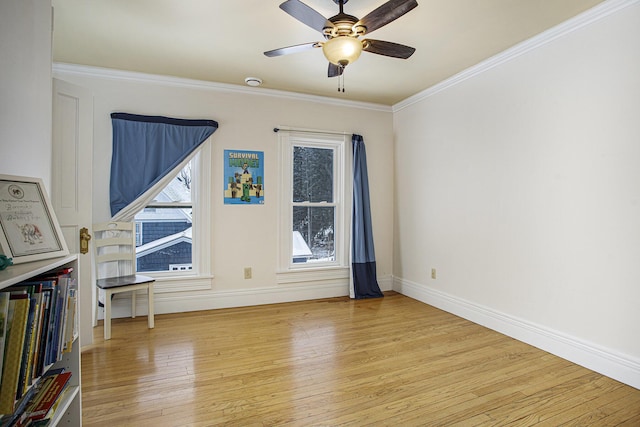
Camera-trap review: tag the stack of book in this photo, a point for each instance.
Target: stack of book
(37, 326)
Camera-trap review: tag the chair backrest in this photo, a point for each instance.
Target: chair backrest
(114, 249)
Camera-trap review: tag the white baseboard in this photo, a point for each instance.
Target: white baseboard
(183, 302)
(179, 302)
(618, 366)
(385, 283)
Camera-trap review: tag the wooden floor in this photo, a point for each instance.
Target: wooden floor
(389, 361)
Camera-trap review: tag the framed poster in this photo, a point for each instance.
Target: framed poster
(243, 177)
(30, 230)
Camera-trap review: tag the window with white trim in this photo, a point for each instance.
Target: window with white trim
(313, 213)
(172, 231)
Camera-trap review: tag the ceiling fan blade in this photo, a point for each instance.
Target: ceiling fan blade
(388, 12)
(334, 70)
(291, 49)
(393, 50)
(306, 15)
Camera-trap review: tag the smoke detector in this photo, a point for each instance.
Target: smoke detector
(253, 81)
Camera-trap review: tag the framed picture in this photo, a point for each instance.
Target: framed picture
(30, 230)
(243, 177)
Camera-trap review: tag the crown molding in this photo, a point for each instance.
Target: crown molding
(590, 16)
(586, 18)
(62, 69)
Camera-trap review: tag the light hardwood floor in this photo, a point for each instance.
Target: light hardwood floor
(389, 361)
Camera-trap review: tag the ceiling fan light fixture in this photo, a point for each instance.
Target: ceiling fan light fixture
(342, 50)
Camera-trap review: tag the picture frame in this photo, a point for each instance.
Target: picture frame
(30, 229)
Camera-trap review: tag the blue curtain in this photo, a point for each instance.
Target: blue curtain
(146, 148)
(364, 283)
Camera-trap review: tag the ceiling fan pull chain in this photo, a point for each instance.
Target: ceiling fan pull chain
(344, 71)
(341, 78)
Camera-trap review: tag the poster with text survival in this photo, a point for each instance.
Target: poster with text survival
(243, 177)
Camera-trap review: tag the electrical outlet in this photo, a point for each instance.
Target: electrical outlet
(247, 272)
(433, 273)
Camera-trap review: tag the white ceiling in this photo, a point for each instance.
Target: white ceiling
(223, 41)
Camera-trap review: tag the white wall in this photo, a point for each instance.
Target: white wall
(521, 186)
(242, 235)
(25, 89)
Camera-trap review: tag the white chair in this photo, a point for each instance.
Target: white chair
(115, 260)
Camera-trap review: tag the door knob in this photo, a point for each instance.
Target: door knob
(84, 240)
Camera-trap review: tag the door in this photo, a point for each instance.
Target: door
(72, 155)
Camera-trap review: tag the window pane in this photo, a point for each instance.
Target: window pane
(312, 174)
(164, 234)
(313, 238)
(165, 239)
(179, 189)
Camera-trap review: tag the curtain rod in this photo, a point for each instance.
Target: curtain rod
(310, 131)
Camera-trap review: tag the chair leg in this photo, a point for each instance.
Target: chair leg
(107, 315)
(133, 304)
(150, 314)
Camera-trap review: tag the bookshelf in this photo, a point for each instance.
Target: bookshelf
(69, 409)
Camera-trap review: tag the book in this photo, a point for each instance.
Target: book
(71, 321)
(10, 315)
(23, 381)
(44, 330)
(35, 324)
(47, 396)
(33, 291)
(15, 347)
(4, 314)
(61, 316)
(41, 351)
(19, 417)
(49, 357)
(68, 288)
(41, 390)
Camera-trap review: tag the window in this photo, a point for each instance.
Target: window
(172, 231)
(138, 233)
(314, 204)
(313, 212)
(164, 226)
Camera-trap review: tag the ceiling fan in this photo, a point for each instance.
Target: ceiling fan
(342, 33)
